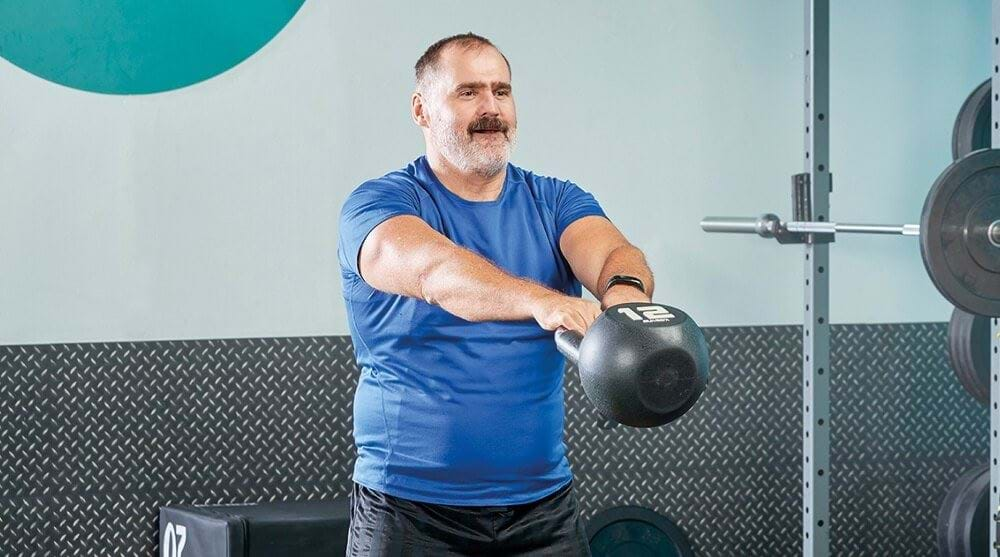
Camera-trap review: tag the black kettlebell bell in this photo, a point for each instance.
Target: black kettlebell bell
(641, 364)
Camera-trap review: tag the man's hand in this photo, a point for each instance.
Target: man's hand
(622, 294)
(556, 310)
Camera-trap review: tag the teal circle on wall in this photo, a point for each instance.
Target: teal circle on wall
(136, 46)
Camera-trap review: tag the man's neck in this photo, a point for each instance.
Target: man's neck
(468, 186)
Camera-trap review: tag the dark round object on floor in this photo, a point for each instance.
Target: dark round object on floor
(632, 531)
(964, 518)
(969, 352)
(972, 124)
(960, 213)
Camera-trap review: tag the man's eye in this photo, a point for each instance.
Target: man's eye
(466, 93)
(503, 92)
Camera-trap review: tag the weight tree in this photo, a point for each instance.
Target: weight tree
(959, 234)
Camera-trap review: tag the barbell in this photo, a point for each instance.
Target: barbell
(959, 231)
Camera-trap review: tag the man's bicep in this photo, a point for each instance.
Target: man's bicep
(586, 244)
(399, 253)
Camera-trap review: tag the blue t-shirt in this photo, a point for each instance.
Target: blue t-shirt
(449, 411)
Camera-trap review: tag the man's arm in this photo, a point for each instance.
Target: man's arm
(405, 256)
(596, 251)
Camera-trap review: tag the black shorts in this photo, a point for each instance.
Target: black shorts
(383, 525)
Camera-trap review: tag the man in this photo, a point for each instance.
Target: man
(455, 271)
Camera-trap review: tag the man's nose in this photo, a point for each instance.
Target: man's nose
(490, 105)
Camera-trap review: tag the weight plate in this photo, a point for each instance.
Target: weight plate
(972, 125)
(969, 352)
(964, 518)
(632, 531)
(961, 208)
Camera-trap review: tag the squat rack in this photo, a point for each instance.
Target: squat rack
(816, 323)
(995, 323)
(812, 227)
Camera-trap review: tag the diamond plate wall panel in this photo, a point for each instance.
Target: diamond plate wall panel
(728, 470)
(95, 437)
(903, 431)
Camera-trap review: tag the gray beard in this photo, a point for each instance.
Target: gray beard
(469, 156)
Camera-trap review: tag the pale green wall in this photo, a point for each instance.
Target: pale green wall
(210, 211)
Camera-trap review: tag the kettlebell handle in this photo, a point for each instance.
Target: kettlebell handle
(568, 343)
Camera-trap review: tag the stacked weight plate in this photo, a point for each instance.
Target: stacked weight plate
(963, 520)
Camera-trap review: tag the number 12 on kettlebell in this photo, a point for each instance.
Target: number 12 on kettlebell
(649, 313)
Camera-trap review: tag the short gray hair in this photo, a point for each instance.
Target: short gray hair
(428, 62)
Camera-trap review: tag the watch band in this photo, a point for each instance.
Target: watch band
(625, 279)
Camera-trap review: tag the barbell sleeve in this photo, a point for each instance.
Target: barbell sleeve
(737, 225)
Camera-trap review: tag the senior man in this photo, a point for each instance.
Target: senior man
(456, 270)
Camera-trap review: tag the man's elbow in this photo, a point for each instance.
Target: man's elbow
(624, 248)
(426, 287)
(432, 282)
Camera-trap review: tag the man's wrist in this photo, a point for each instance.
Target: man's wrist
(625, 279)
(625, 290)
(622, 294)
(535, 294)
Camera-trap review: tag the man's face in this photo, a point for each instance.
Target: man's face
(471, 115)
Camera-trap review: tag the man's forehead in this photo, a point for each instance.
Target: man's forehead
(478, 64)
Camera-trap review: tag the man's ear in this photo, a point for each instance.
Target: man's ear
(418, 110)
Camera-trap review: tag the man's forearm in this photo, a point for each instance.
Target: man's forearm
(626, 260)
(471, 287)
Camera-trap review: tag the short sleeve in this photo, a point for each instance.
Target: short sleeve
(572, 203)
(368, 206)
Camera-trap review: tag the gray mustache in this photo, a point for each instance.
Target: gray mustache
(488, 125)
